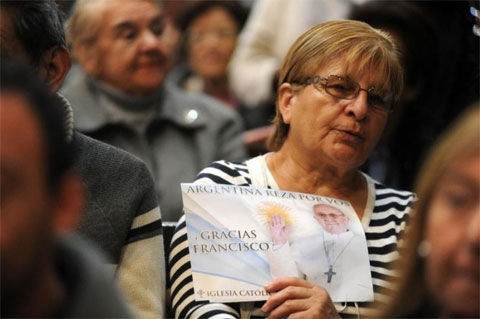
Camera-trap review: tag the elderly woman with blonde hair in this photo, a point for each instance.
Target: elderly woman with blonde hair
(439, 274)
(338, 83)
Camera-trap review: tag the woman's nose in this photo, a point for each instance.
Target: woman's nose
(358, 107)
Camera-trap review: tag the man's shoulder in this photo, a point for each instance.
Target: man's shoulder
(108, 170)
(100, 153)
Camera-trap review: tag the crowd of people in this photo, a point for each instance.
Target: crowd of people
(107, 106)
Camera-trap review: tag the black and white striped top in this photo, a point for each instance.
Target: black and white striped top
(386, 224)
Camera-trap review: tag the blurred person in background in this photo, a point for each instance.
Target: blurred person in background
(210, 30)
(120, 97)
(409, 129)
(121, 211)
(46, 271)
(337, 85)
(439, 273)
(440, 57)
(272, 26)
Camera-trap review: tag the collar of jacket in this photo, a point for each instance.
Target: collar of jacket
(170, 107)
(68, 120)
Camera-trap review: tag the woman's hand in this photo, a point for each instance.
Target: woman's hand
(297, 298)
(278, 230)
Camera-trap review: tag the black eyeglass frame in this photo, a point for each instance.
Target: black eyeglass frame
(315, 80)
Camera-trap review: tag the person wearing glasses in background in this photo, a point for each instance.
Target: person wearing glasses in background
(210, 30)
(338, 83)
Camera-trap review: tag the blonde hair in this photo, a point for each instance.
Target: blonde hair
(358, 44)
(460, 142)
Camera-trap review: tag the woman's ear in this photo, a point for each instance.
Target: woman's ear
(286, 100)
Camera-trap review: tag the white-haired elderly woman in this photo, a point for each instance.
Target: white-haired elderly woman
(338, 83)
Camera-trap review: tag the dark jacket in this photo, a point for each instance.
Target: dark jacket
(122, 217)
(90, 290)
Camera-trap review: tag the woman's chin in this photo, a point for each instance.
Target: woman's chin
(347, 159)
(462, 299)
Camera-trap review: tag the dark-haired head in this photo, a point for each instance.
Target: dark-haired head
(233, 7)
(210, 31)
(38, 26)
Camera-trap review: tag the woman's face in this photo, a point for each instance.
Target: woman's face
(337, 131)
(211, 40)
(453, 230)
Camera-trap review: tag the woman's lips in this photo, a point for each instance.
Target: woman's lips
(350, 134)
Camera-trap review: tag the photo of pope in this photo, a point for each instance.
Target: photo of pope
(323, 254)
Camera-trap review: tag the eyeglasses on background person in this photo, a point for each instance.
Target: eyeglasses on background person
(219, 34)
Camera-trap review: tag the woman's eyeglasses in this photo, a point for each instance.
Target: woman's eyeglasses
(345, 88)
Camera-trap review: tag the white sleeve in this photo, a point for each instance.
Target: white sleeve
(281, 262)
(255, 61)
(141, 270)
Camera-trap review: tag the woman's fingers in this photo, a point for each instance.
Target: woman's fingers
(291, 306)
(297, 298)
(288, 293)
(283, 282)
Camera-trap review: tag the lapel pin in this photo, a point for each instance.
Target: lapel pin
(190, 116)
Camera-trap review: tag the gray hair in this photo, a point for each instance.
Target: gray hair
(85, 22)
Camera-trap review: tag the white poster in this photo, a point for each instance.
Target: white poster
(241, 238)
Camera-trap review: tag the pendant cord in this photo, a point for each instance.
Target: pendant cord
(341, 252)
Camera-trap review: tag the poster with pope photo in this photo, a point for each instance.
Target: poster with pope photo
(241, 238)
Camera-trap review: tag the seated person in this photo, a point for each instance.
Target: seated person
(210, 30)
(119, 98)
(46, 272)
(121, 214)
(338, 83)
(439, 272)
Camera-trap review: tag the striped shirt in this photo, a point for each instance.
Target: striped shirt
(383, 230)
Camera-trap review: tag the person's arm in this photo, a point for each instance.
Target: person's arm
(255, 61)
(280, 258)
(141, 269)
(123, 218)
(183, 299)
